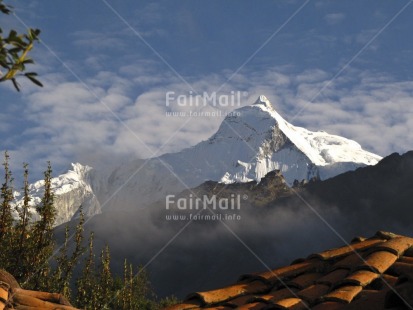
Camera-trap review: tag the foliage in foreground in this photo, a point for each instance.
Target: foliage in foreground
(14, 50)
(30, 254)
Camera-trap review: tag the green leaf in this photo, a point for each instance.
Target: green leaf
(33, 34)
(34, 80)
(12, 34)
(28, 61)
(16, 85)
(3, 62)
(5, 8)
(14, 50)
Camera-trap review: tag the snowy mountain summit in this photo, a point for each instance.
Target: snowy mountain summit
(251, 141)
(255, 140)
(265, 142)
(71, 190)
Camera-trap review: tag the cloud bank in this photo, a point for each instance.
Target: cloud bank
(69, 121)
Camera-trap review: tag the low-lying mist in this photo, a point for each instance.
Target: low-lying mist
(184, 256)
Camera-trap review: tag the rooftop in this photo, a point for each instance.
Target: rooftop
(369, 274)
(12, 296)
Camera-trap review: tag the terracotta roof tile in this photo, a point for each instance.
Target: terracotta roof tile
(289, 271)
(368, 300)
(277, 295)
(402, 293)
(379, 261)
(254, 306)
(34, 302)
(390, 280)
(357, 239)
(333, 277)
(343, 294)
(360, 277)
(339, 252)
(226, 293)
(14, 297)
(353, 259)
(406, 259)
(382, 282)
(374, 273)
(406, 291)
(397, 245)
(312, 293)
(385, 235)
(291, 303)
(184, 306)
(304, 280)
(409, 252)
(400, 268)
(239, 301)
(4, 295)
(329, 305)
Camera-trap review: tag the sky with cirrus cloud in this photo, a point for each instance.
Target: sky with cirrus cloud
(343, 67)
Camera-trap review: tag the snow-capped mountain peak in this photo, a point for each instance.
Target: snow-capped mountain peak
(72, 189)
(322, 148)
(65, 182)
(256, 139)
(262, 100)
(251, 142)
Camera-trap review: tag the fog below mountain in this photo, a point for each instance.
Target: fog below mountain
(184, 256)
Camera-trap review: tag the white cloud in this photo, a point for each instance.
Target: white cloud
(334, 18)
(375, 112)
(70, 123)
(66, 122)
(97, 41)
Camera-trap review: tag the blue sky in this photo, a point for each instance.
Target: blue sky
(345, 67)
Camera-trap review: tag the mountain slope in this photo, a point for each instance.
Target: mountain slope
(71, 189)
(251, 142)
(255, 140)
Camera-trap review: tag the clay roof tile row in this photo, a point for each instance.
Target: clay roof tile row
(14, 297)
(374, 273)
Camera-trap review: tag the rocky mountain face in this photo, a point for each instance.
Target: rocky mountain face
(377, 194)
(271, 187)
